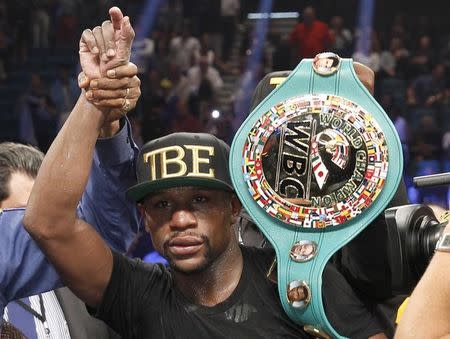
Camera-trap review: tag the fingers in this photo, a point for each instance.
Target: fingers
(110, 84)
(115, 103)
(116, 17)
(113, 96)
(88, 40)
(126, 33)
(129, 70)
(83, 80)
(126, 30)
(97, 31)
(108, 37)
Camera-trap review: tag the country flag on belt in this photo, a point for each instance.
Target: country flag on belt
(319, 169)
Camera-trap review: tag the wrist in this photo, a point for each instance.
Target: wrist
(94, 113)
(109, 129)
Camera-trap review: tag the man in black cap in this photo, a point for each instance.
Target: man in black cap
(214, 288)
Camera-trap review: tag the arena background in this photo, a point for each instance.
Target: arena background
(38, 66)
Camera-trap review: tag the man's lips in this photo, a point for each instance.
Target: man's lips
(185, 245)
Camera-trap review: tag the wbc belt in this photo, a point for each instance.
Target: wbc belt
(314, 163)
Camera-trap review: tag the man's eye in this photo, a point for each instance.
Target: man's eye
(161, 204)
(200, 198)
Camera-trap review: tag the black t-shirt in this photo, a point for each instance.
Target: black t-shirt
(142, 301)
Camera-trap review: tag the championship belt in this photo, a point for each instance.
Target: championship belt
(314, 163)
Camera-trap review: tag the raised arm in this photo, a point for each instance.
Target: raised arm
(24, 270)
(104, 204)
(77, 251)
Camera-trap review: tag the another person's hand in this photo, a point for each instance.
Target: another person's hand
(106, 46)
(365, 75)
(115, 96)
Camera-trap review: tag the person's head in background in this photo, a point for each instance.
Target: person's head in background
(309, 15)
(19, 165)
(8, 331)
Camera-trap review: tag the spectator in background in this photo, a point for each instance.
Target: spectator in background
(446, 149)
(229, 12)
(204, 78)
(399, 30)
(393, 62)
(151, 107)
(40, 23)
(161, 58)
(421, 26)
(423, 57)
(342, 37)
(37, 114)
(143, 50)
(426, 86)
(211, 25)
(177, 84)
(67, 22)
(4, 48)
(207, 46)
(19, 29)
(184, 47)
(184, 120)
(170, 17)
(64, 93)
(6, 43)
(444, 54)
(401, 125)
(310, 37)
(372, 59)
(427, 143)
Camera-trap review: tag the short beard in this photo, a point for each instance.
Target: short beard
(208, 259)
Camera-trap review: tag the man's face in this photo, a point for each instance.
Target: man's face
(191, 226)
(20, 186)
(306, 249)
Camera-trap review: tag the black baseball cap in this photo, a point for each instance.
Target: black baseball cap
(267, 85)
(182, 159)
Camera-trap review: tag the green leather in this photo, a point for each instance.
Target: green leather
(304, 80)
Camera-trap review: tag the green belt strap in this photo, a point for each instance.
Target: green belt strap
(313, 124)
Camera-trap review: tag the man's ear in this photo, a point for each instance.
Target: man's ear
(143, 215)
(365, 75)
(235, 207)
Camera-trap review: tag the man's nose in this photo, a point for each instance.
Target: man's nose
(182, 219)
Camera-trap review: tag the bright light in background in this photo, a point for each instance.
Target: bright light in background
(273, 15)
(249, 77)
(364, 26)
(146, 21)
(215, 114)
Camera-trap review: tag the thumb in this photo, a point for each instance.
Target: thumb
(116, 17)
(126, 34)
(83, 81)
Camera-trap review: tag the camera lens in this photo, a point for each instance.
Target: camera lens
(425, 238)
(413, 232)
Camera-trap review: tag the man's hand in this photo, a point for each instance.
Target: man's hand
(115, 97)
(102, 50)
(118, 36)
(366, 75)
(106, 46)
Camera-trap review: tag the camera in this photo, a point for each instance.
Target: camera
(413, 232)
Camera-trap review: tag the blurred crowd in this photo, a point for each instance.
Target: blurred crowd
(191, 58)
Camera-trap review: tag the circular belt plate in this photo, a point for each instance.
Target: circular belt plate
(315, 161)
